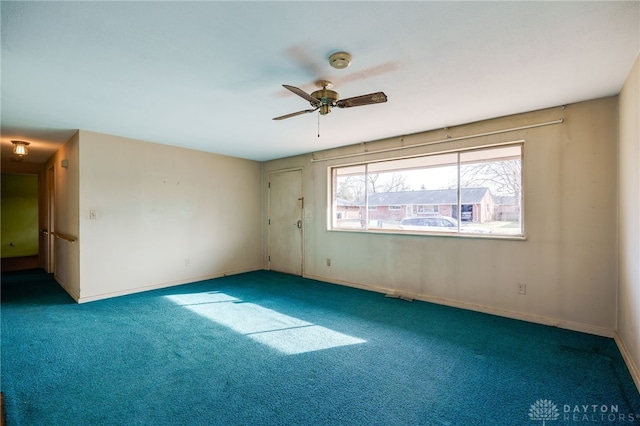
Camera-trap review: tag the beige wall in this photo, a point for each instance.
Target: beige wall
(628, 332)
(568, 260)
(163, 215)
(66, 185)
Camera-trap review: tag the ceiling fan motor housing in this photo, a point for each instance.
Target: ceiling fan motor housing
(327, 98)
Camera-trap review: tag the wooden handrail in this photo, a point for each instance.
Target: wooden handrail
(64, 237)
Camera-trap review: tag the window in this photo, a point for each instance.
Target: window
(427, 209)
(476, 191)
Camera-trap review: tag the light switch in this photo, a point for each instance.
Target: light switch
(93, 215)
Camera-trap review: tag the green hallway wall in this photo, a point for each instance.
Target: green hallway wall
(19, 215)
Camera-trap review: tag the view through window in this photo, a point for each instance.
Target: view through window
(475, 192)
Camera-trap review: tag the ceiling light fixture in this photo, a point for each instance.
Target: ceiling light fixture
(340, 60)
(20, 148)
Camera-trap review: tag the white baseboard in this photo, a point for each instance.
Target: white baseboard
(633, 369)
(539, 319)
(191, 280)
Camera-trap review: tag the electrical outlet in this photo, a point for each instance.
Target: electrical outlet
(328, 262)
(187, 261)
(522, 288)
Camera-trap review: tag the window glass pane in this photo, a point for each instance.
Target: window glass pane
(490, 191)
(349, 196)
(436, 197)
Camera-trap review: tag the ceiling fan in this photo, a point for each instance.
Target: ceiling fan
(324, 99)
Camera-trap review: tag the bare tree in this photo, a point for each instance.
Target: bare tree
(372, 182)
(502, 177)
(394, 182)
(397, 183)
(352, 188)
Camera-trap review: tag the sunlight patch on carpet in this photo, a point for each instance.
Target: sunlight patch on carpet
(282, 332)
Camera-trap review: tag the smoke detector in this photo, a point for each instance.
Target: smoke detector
(340, 60)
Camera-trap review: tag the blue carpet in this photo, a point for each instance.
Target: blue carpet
(265, 348)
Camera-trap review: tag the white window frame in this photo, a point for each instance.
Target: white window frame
(460, 233)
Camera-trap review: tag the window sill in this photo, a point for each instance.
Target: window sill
(433, 234)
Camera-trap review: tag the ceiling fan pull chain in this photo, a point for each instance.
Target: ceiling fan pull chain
(318, 125)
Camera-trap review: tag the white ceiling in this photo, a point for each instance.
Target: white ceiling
(209, 75)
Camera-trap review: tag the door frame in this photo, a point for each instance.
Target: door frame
(50, 197)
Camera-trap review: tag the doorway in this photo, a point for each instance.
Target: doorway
(20, 214)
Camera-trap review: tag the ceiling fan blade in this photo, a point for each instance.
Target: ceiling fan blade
(372, 98)
(381, 69)
(303, 94)
(293, 114)
(301, 56)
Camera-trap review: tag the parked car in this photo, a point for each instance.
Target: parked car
(440, 224)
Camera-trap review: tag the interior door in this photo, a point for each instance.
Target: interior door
(285, 221)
